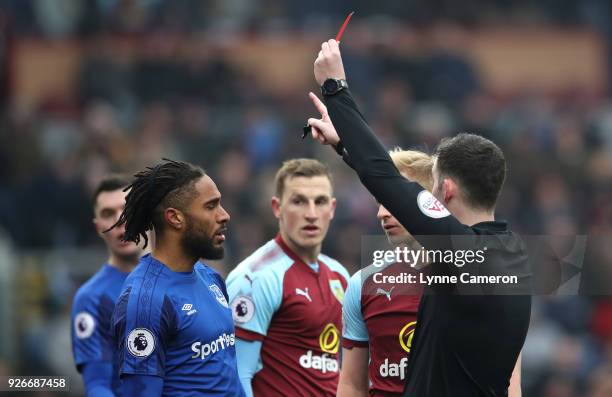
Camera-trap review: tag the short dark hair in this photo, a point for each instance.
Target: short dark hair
(109, 183)
(477, 164)
(299, 167)
(168, 184)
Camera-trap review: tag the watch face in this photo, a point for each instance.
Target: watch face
(330, 85)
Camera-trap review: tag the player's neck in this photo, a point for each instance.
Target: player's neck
(470, 216)
(124, 264)
(175, 259)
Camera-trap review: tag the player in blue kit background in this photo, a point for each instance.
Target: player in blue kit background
(172, 324)
(94, 301)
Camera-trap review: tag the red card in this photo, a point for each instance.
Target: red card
(341, 31)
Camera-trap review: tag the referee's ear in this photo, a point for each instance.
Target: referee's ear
(451, 190)
(276, 204)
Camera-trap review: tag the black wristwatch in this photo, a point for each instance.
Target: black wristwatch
(333, 86)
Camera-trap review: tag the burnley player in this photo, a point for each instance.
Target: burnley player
(93, 304)
(380, 319)
(172, 324)
(456, 334)
(287, 296)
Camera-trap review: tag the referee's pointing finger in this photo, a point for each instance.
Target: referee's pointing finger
(318, 104)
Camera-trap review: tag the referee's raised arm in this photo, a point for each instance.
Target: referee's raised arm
(416, 209)
(468, 174)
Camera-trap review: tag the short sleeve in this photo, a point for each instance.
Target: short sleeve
(90, 331)
(143, 321)
(254, 298)
(354, 325)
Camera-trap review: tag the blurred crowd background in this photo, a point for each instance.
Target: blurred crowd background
(93, 86)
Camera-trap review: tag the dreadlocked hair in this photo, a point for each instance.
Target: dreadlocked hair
(169, 184)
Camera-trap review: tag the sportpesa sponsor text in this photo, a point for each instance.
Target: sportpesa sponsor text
(203, 350)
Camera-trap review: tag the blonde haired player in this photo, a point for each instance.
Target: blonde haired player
(380, 318)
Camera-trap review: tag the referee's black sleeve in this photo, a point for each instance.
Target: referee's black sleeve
(369, 158)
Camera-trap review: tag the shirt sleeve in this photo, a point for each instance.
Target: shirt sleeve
(415, 208)
(143, 320)
(254, 297)
(248, 357)
(91, 338)
(354, 332)
(97, 377)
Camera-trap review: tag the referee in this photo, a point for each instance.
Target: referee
(464, 344)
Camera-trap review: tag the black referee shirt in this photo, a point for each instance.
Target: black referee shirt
(464, 344)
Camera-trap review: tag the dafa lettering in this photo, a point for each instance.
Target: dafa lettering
(329, 341)
(203, 350)
(323, 363)
(394, 370)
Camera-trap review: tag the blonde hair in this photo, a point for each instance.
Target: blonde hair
(414, 165)
(299, 167)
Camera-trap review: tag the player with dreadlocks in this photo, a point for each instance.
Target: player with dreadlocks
(172, 325)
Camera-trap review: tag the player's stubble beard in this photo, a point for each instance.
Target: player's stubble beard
(197, 244)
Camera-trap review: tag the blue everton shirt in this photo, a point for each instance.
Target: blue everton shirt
(92, 309)
(178, 326)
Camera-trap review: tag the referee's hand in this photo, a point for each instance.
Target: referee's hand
(328, 64)
(322, 129)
